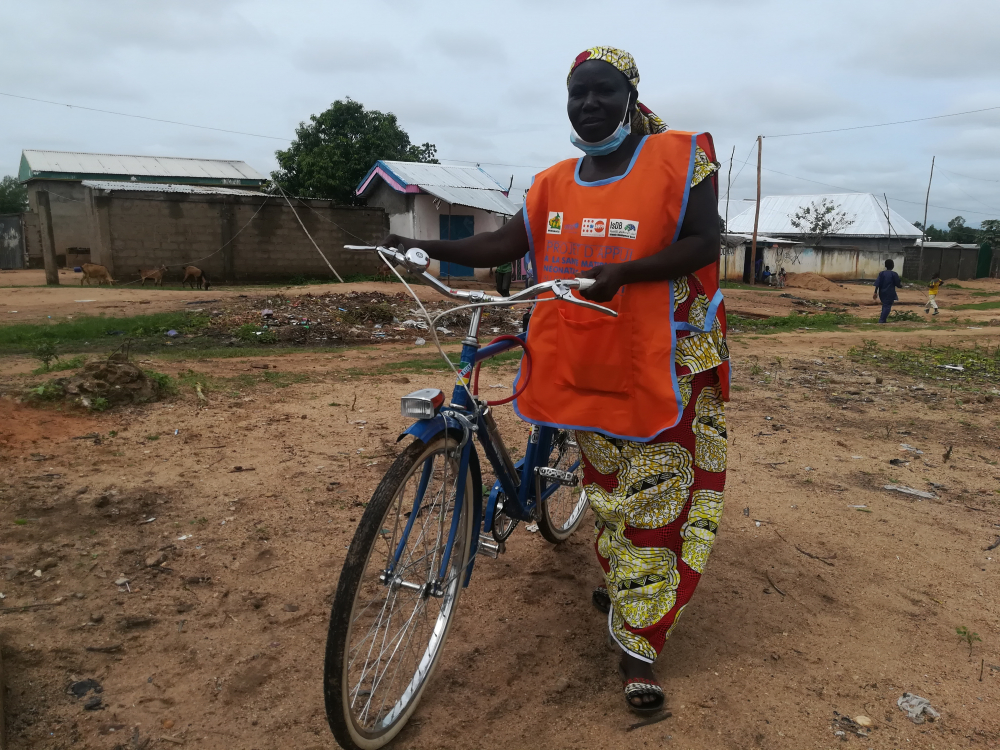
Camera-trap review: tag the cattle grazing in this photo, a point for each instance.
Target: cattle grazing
(156, 274)
(196, 277)
(96, 271)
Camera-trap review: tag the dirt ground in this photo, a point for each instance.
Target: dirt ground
(25, 299)
(811, 604)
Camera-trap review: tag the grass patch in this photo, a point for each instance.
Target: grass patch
(251, 334)
(163, 381)
(47, 391)
(88, 330)
(981, 365)
(782, 324)
(749, 287)
(986, 294)
(992, 305)
(61, 365)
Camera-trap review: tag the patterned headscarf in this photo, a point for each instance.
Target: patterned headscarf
(643, 119)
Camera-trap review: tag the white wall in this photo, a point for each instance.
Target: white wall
(425, 224)
(833, 263)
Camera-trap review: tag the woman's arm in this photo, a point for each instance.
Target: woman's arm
(485, 250)
(699, 245)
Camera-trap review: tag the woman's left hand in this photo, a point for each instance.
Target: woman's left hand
(609, 281)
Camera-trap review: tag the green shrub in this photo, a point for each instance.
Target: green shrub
(251, 334)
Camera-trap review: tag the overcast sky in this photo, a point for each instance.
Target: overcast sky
(485, 82)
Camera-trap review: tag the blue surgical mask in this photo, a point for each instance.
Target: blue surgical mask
(607, 145)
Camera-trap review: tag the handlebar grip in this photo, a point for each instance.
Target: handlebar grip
(586, 283)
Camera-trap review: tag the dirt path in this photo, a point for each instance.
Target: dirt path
(221, 646)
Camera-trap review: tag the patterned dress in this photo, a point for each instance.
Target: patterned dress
(658, 504)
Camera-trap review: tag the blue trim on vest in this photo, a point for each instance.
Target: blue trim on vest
(687, 189)
(609, 180)
(710, 315)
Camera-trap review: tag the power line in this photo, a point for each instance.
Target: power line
(143, 117)
(885, 124)
(968, 177)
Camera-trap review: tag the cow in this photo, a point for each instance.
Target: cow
(96, 271)
(195, 276)
(156, 274)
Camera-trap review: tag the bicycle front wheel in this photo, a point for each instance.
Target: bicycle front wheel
(393, 608)
(562, 512)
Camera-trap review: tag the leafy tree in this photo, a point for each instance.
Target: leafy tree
(13, 196)
(819, 219)
(958, 232)
(989, 231)
(334, 151)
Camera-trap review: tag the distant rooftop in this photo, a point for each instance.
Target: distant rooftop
(463, 186)
(67, 165)
(868, 215)
(160, 187)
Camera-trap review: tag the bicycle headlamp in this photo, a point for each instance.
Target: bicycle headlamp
(422, 404)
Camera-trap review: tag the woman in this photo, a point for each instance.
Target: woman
(643, 391)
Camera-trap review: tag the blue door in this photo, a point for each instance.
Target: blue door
(456, 228)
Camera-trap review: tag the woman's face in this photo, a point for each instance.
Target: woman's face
(598, 97)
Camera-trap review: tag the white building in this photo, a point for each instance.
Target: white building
(857, 250)
(435, 201)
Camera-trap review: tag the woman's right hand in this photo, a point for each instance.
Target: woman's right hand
(395, 241)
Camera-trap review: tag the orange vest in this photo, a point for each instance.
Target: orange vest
(592, 371)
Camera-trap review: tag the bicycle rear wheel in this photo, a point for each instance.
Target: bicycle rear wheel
(562, 512)
(389, 621)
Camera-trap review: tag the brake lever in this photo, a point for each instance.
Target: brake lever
(564, 292)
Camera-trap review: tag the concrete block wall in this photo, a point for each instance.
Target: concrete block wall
(145, 230)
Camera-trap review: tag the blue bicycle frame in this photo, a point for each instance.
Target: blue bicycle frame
(515, 480)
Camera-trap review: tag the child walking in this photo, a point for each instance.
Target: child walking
(932, 290)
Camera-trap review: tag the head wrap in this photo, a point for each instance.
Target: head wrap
(643, 119)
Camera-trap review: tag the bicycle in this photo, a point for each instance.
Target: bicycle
(415, 546)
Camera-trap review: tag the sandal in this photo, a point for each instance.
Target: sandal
(641, 687)
(601, 599)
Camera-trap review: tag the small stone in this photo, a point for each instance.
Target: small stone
(156, 559)
(37, 574)
(79, 595)
(862, 721)
(101, 501)
(562, 685)
(167, 723)
(48, 564)
(97, 617)
(121, 581)
(291, 607)
(92, 704)
(82, 490)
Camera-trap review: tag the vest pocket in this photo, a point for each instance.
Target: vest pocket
(596, 353)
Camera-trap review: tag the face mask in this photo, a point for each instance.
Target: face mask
(604, 146)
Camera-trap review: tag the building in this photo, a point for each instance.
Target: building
(54, 180)
(856, 251)
(435, 201)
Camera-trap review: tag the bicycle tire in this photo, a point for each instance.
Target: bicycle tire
(356, 582)
(563, 511)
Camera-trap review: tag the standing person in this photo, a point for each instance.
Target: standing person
(782, 278)
(504, 272)
(758, 266)
(886, 285)
(932, 292)
(645, 391)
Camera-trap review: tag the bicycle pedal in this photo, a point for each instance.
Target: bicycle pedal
(490, 547)
(565, 478)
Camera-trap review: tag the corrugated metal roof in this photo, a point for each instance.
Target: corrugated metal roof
(146, 166)
(164, 187)
(464, 186)
(950, 245)
(776, 212)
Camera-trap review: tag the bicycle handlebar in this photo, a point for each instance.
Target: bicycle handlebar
(417, 261)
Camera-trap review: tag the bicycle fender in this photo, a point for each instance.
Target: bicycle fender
(428, 429)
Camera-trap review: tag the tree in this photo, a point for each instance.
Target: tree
(958, 232)
(933, 233)
(334, 151)
(819, 219)
(13, 196)
(989, 231)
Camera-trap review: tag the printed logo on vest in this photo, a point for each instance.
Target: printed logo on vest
(594, 227)
(555, 222)
(623, 228)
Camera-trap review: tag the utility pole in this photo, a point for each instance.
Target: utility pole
(756, 215)
(48, 237)
(729, 189)
(923, 236)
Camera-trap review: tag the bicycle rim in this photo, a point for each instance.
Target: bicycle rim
(562, 512)
(395, 633)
